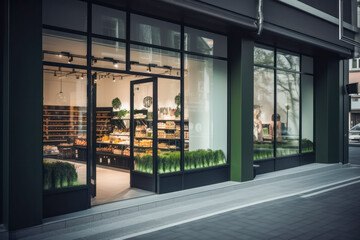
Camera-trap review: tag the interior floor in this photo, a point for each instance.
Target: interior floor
(112, 184)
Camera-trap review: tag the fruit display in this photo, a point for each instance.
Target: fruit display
(177, 134)
(105, 138)
(143, 143)
(170, 125)
(161, 125)
(109, 149)
(161, 134)
(80, 142)
(117, 151)
(163, 145)
(126, 151)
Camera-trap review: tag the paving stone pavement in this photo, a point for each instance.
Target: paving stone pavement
(330, 215)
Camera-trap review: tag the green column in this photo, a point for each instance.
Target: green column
(241, 107)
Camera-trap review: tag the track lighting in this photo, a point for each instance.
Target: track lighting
(82, 76)
(115, 64)
(113, 78)
(149, 69)
(70, 59)
(54, 73)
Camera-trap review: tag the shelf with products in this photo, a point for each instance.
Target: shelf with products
(103, 125)
(63, 123)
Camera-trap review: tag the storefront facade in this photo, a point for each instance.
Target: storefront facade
(176, 95)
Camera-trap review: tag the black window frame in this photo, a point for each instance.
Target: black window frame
(91, 130)
(301, 73)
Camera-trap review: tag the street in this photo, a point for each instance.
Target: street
(330, 215)
(354, 154)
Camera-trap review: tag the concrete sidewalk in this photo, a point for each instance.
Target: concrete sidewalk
(138, 216)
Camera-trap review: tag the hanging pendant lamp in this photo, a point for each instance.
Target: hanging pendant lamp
(60, 96)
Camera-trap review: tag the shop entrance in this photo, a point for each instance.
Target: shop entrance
(124, 110)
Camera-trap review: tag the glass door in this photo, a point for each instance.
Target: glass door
(143, 133)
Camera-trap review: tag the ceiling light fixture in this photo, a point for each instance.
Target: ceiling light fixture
(60, 96)
(115, 64)
(82, 76)
(70, 59)
(113, 78)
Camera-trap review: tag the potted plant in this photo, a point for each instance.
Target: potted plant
(116, 103)
(177, 102)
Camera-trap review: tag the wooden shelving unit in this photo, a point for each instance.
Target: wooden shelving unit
(103, 124)
(63, 123)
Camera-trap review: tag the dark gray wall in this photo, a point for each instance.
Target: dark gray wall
(280, 15)
(328, 77)
(23, 115)
(2, 18)
(331, 7)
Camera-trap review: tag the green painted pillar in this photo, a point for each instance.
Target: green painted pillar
(329, 109)
(241, 54)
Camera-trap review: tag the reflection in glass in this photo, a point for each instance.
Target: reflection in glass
(143, 126)
(108, 54)
(153, 31)
(263, 130)
(205, 42)
(169, 111)
(205, 126)
(287, 108)
(108, 22)
(64, 127)
(64, 47)
(263, 56)
(156, 61)
(287, 61)
(307, 108)
(66, 14)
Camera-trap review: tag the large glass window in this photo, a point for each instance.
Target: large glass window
(287, 113)
(108, 54)
(69, 14)
(153, 60)
(281, 125)
(205, 126)
(64, 127)
(153, 31)
(169, 112)
(263, 113)
(64, 47)
(154, 48)
(108, 22)
(205, 42)
(307, 113)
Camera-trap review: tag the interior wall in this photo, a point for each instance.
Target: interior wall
(75, 90)
(107, 90)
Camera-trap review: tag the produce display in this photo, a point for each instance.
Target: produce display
(80, 142)
(59, 174)
(170, 161)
